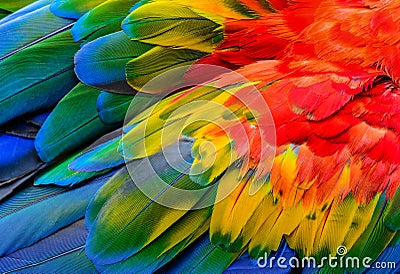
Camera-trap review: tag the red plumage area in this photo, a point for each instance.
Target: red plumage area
(331, 86)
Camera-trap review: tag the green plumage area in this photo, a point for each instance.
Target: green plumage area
(102, 20)
(38, 76)
(61, 175)
(392, 216)
(156, 61)
(73, 8)
(64, 131)
(16, 35)
(14, 5)
(173, 26)
(88, 63)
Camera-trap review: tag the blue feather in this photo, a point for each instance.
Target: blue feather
(98, 64)
(61, 252)
(17, 157)
(246, 265)
(28, 9)
(38, 119)
(201, 257)
(18, 35)
(36, 212)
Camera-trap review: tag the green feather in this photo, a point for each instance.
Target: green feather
(38, 76)
(154, 62)
(202, 257)
(113, 107)
(18, 35)
(61, 175)
(111, 239)
(73, 122)
(103, 19)
(392, 216)
(102, 155)
(163, 24)
(163, 249)
(73, 8)
(376, 236)
(15, 5)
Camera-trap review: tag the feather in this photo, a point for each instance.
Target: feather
(36, 212)
(202, 257)
(102, 156)
(38, 119)
(164, 248)
(266, 264)
(73, 8)
(25, 10)
(20, 128)
(15, 5)
(112, 107)
(155, 61)
(389, 259)
(11, 186)
(37, 77)
(104, 19)
(101, 63)
(392, 216)
(120, 239)
(178, 26)
(17, 35)
(61, 175)
(61, 252)
(18, 157)
(71, 124)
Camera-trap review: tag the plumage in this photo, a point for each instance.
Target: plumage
(182, 136)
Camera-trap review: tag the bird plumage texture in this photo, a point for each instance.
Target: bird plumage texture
(182, 136)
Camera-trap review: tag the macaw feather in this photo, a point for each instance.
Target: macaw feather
(392, 216)
(22, 11)
(202, 257)
(164, 248)
(73, 8)
(18, 35)
(31, 75)
(101, 156)
(21, 128)
(61, 175)
(61, 252)
(117, 108)
(104, 19)
(17, 157)
(128, 200)
(102, 63)
(15, 5)
(64, 131)
(157, 60)
(227, 226)
(34, 213)
(178, 26)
